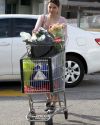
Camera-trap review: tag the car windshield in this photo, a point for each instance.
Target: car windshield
(90, 21)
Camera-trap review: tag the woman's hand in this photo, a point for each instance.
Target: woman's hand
(34, 37)
(33, 32)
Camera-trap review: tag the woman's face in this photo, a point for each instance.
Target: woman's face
(53, 9)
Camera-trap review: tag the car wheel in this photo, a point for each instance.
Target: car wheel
(74, 72)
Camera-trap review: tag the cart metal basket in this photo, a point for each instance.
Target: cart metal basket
(43, 74)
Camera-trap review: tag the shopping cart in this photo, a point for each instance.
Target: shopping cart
(41, 75)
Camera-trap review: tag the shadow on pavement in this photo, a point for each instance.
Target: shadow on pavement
(87, 90)
(87, 117)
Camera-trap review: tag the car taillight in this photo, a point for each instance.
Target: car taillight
(97, 40)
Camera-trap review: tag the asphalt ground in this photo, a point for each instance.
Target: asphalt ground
(83, 103)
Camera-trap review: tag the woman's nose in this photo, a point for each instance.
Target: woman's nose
(51, 9)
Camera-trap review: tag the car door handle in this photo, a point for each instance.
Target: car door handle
(4, 44)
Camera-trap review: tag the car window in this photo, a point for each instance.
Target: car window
(4, 28)
(89, 21)
(25, 25)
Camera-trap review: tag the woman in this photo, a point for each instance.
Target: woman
(51, 18)
(47, 21)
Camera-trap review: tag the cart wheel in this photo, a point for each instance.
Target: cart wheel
(66, 114)
(49, 122)
(32, 123)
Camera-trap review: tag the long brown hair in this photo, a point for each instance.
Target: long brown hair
(56, 2)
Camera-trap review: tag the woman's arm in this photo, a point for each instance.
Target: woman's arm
(38, 24)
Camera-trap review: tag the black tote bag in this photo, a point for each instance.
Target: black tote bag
(44, 48)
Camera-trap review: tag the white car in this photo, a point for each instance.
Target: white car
(82, 49)
(82, 55)
(11, 46)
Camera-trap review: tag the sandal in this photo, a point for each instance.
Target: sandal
(48, 105)
(51, 109)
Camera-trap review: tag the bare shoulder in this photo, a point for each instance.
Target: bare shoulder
(41, 16)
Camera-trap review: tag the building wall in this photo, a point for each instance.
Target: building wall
(2, 6)
(38, 6)
(22, 9)
(41, 8)
(64, 2)
(35, 7)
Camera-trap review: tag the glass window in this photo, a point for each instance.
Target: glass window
(4, 28)
(25, 2)
(23, 25)
(90, 21)
(10, 8)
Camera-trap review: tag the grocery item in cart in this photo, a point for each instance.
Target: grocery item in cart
(46, 74)
(28, 66)
(43, 45)
(36, 77)
(39, 78)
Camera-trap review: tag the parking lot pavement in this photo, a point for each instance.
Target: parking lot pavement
(83, 104)
(81, 112)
